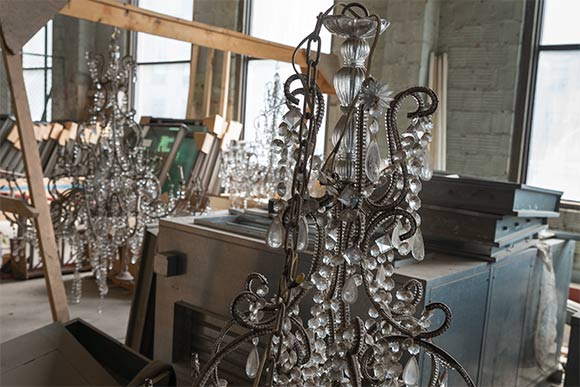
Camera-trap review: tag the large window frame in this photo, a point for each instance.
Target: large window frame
(532, 47)
(134, 43)
(248, 14)
(45, 69)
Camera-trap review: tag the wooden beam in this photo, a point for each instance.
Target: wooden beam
(191, 110)
(43, 223)
(225, 84)
(17, 206)
(208, 84)
(129, 17)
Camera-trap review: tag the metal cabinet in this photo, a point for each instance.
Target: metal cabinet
(494, 304)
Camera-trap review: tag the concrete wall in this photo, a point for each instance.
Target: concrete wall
(482, 39)
(72, 39)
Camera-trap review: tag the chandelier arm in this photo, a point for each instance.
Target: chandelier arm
(444, 325)
(435, 372)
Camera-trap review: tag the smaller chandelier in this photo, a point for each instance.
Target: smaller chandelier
(114, 189)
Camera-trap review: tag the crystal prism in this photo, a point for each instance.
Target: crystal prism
(275, 233)
(384, 243)
(373, 161)
(418, 248)
(350, 291)
(411, 373)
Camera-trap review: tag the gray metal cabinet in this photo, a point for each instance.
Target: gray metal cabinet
(494, 304)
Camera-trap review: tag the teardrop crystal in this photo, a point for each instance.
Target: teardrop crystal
(253, 363)
(373, 161)
(426, 171)
(418, 247)
(275, 233)
(411, 373)
(381, 276)
(302, 234)
(350, 291)
(444, 379)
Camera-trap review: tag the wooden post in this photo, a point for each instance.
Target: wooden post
(225, 84)
(208, 82)
(35, 178)
(191, 110)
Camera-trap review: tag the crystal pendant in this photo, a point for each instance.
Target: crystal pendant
(444, 379)
(381, 276)
(373, 161)
(350, 291)
(384, 243)
(302, 234)
(275, 233)
(418, 248)
(352, 255)
(426, 171)
(315, 189)
(411, 373)
(253, 363)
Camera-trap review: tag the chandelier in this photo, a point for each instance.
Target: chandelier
(114, 191)
(362, 210)
(249, 169)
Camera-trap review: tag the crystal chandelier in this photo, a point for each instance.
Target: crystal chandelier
(114, 190)
(363, 211)
(250, 168)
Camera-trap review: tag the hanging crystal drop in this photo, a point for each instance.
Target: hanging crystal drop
(315, 189)
(275, 233)
(418, 247)
(411, 373)
(253, 363)
(395, 238)
(381, 276)
(350, 291)
(426, 171)
(302, 234)
(444, 379)
(373, 161)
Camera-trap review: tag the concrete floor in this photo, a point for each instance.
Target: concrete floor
(24, 307)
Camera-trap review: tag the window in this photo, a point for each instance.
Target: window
(163, 66)
(37, 66)
(554, 148)
(298, 18)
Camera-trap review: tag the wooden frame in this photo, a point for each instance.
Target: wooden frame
(114, 13)
(35, 178)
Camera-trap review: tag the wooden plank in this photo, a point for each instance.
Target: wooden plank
(126, 16)
(207, 86)
(191, 110)
(43, 223)
(17, 206)
(225, 84)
